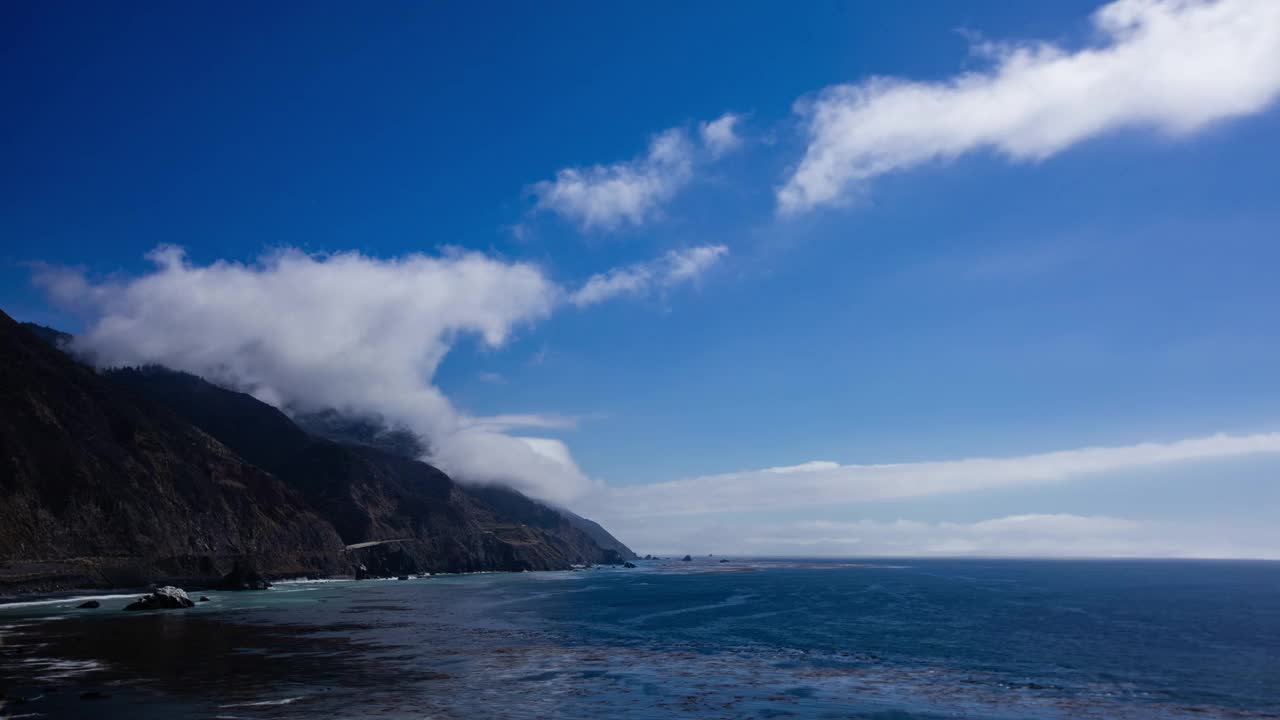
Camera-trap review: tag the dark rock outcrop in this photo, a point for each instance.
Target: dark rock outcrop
(686, 558)
(243, 577)
(629, 565)
(89, 605)
(165, 598)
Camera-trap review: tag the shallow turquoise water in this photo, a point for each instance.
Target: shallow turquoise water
(902, 639)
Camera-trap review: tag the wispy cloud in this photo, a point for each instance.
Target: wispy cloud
(1171, 65)
(505, 423)
(632, 192)
(820, 483)
(605, 197)
(674, 268)
(720, 136)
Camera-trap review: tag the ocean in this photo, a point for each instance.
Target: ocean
(884, 639)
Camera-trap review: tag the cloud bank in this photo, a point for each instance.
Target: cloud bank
(816, 484)
(674, 268)
(1031, 535)
(1171, 65)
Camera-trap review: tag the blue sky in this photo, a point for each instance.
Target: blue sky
(970, 257)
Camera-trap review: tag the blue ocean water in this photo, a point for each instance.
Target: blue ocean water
(705, 639)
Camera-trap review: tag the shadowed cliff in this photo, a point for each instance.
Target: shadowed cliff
(131, 475)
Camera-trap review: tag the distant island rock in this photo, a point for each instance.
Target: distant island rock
(686, 558)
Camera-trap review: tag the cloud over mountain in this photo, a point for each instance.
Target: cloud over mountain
(343, 331)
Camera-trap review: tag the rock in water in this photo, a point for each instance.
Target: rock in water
(165, 598)
(90, 604)
(204, 598)
(243, 577)
(628, 564)
(686, 558)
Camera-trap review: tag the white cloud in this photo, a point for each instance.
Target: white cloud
(605, 197)
(673, 268)
(503, 423)
(345, 331)
(818, 484)
(1171, 65)
(720, 136)
(1032, 535)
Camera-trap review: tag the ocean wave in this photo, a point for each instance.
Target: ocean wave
(265, 703)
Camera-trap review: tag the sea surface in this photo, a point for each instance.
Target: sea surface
(705, 639)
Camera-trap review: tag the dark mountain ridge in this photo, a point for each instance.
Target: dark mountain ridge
(373, 495)
(149, 473)
(100, 488)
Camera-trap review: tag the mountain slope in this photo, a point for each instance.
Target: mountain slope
(426, 521)
(372, 432)
(99, 487)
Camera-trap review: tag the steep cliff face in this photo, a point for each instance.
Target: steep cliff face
(136, 475)
(423, 520)
(99, 487)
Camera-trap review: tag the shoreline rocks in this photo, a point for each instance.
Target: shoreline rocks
(243, 577)
(165, 598)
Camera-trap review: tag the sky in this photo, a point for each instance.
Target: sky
(826, 279)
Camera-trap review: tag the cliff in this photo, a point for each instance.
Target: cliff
(372, 495)
(101, 488)
(136, 475)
